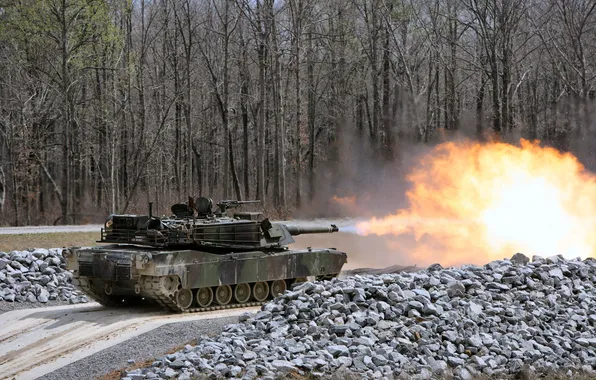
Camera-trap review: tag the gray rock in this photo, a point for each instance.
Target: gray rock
(169, 373)
(422, 292)
(456, 290)
(249, 355)
(40, 253)
(454, 361)
(431, 309)
(474, 341)
(438, 366)
(556, 259)
(364, 341)
(338, 329)
(222, 369)
(177, 364)
(55, 261)
(235, 371)
(480, 363)
(9, 297)
(464, 374)
(435, 267)
(338, 350)
(415, 305)
(283, 366)
(474, 308)
(556, 273)
(520, 259)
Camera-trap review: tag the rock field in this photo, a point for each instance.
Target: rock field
(36, 276)
(493, 320)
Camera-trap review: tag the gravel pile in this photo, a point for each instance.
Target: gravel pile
(495, 320)
(36, 276)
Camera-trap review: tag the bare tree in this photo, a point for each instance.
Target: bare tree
(107, 105)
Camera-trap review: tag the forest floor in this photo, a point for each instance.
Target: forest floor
(42, 240)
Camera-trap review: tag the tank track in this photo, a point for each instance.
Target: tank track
(157, 293)
(84, 285)
(154, 289)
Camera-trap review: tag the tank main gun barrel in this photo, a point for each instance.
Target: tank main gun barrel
(298, 230)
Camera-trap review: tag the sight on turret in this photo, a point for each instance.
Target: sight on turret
(198, 258)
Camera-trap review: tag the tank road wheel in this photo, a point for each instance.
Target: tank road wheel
(223, 294)
(242, 293)
(260, 291)
(278, 287)
(108, 289)
(169, 285)
(204, 296)
(184, 298)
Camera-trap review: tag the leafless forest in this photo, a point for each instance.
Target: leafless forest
(105, 105)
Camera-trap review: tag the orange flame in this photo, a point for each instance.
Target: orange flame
(344, 200)
(473, 202)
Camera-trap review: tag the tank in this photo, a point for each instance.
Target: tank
(198, 259)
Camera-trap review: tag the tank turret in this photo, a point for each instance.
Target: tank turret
(280, 234)
(196, 225)
(199, 258)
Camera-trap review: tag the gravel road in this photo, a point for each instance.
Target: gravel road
(141, 348)
(36, 342)
(11, 306)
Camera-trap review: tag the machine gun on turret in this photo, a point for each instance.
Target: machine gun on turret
(229, 204)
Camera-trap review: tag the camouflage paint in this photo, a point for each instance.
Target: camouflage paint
(163, 258)
(197, 269)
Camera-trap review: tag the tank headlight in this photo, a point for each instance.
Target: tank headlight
(66, 253)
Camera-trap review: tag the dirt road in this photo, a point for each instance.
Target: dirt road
(35, 342)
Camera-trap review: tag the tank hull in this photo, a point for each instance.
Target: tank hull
(194, 280)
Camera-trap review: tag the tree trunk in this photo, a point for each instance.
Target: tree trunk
(388, 143)
(261, 52)
(298, 93)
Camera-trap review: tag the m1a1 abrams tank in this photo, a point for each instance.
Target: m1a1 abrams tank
(198, 259)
